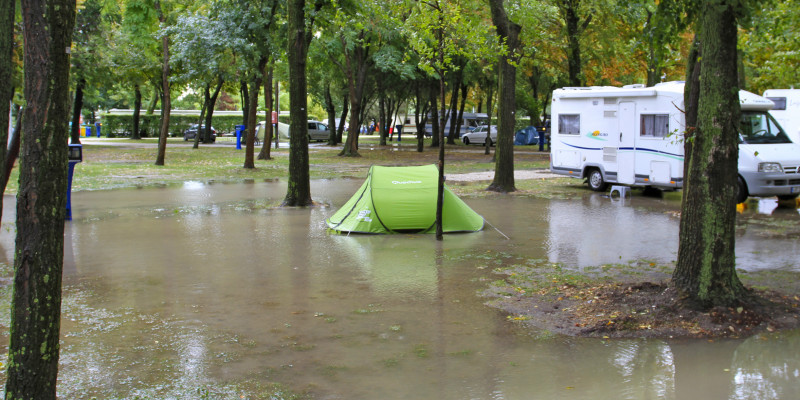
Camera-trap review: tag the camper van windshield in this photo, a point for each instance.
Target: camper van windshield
(760, 128)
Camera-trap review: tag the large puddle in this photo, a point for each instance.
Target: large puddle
(208, 290)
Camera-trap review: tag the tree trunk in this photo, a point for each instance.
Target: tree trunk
(381, 119)
(151, 108)
(245, 95)
(77, 105)
(299, 186)
(706, 269)
(252, 108)
(200, 132)
(434, 119)
(211, 102)
(264, 154)
(331, 110)
(137, 109)
(489, 109)
(33, 351)
(166, 105)
(572, 23)
(7, 13)
(11, 155)
(508, 32)
(355, 69)
(342, 119)
(460, 120)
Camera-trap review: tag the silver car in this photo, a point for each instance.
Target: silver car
(318, 131)
(478, 136)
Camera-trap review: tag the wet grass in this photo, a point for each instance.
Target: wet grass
(124, 163)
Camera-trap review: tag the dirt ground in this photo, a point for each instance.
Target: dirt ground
(619, 307)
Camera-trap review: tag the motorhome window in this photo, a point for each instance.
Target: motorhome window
(655, 125)
(758, 127)
(780, 102)
(569, 124)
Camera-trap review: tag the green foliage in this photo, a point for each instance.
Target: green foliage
(771, 47)
(115, 125)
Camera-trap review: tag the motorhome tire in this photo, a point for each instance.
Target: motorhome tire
(741, 191)
(596, 182)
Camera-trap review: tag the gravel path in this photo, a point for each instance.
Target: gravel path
(489, 175)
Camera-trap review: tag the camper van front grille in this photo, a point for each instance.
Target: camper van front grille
(791, 170)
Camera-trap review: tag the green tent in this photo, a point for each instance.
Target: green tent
(401, 200)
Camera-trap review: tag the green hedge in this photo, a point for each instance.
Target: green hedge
(115, 125)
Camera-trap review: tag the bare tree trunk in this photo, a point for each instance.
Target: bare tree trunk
(331, 110)
(706, 267)
(264, 154)
(137, 109)
(7, 13)
(299, 187)
(508, 32)
(33, 350)
(258, 75)
(166, 105)
(342, 119)
(77, 105)
(211, 102)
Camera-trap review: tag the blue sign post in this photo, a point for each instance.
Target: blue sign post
(239, 133)
(75, 156)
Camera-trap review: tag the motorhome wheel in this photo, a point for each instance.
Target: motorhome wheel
(596, 181)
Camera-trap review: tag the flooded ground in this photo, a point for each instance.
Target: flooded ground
(207, 291)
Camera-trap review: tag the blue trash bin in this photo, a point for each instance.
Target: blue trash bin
(97, 128)
(88, 131)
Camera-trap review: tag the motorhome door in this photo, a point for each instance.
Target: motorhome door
(626, 157)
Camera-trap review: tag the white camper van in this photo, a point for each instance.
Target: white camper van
(786, 110)
(633, 136)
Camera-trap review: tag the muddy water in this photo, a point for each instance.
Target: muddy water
(173, 292)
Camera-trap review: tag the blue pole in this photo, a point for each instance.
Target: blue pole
(69, 190)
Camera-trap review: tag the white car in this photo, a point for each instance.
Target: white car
(478, 136)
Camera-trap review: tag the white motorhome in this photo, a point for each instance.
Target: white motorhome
(633, 136)
(786, 110)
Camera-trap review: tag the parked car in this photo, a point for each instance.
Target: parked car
(478, 136)
(318, 131)
(191, 132)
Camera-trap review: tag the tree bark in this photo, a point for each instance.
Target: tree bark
(572, 21)
(330, 108)
(264, 154)
(252, 108)
(299, 186)
(7, 13)
(41, 202)
(355, 69)
(166, 105)
(508, 32)
(706, 269)
(211, 102)
(137, 109)
(77, 105)
(342, 119)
